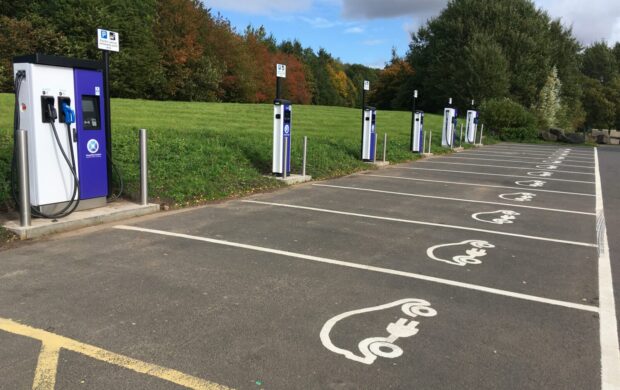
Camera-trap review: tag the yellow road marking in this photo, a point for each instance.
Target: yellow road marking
(45, 374)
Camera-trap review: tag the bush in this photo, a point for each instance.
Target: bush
(518, 134)
(508, 119)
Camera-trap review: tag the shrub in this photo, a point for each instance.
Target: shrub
(508, 119)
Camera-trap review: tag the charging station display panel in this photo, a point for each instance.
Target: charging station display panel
(91, 113)
(90, 126)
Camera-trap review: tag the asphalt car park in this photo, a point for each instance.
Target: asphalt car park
(435, 274)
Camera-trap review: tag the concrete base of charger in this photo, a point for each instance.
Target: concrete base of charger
(379, 163)
(112, 212)
(458, 149)
(427, 154)
(293, 179)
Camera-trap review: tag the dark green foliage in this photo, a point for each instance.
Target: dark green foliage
(601, 85)
(505, 115)
(519, 134)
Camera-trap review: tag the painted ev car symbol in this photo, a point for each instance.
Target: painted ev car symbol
(373, 347)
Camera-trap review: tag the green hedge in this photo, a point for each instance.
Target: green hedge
(509, 120)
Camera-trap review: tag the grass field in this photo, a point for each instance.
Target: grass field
(207, 151)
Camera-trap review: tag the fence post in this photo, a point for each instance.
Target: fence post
(384, 146)
(303, 168)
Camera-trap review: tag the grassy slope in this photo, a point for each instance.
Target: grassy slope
(208, 151)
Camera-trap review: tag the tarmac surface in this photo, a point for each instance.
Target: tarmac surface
(485, 269)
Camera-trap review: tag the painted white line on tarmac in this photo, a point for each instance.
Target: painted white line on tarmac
(414, 222)
(519, 157)
(434, 161)
(457, 157)
(610, 349)
(488, 174)
(540, 148)
(477, 185)
(452, 199)
(371, 268)
(580, 152)
(533, 155)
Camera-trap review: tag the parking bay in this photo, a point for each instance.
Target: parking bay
(236, 314)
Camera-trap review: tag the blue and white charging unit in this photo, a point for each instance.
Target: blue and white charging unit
(369, 134)
(59, 102)
(449, 125)
(282, 117)
(471, 126)
(369, 120)
(417, 136)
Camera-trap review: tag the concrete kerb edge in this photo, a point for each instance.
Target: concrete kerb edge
(69, 225)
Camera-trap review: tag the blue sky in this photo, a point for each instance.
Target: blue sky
(364, 31)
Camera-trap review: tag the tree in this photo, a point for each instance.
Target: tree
(549, 101)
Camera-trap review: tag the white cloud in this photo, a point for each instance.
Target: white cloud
(373, 9)
(354, 30)
(319, 22)
(263, 7)
(591, 20)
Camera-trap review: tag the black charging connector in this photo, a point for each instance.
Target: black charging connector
(48, 111)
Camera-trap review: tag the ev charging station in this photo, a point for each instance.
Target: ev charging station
(60, 103)
(417, 127)
(369, 134)
(471, 125)
(282, 115)
(449, 125)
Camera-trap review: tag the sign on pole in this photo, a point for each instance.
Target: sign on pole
(366, 85)
(415, 93)
(281, 71)
(108, 40)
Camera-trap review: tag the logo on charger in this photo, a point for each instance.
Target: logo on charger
(93, 147)
(287, 129)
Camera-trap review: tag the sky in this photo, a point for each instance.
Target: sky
(365, 31)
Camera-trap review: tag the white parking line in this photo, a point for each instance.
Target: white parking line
(477, 185)
(529, 151)
(435, 161)
(519, 157)
(452, 199)
(371, 268)
(488, 174)
(458, 157)
(610, 349)
(414, 222)
(533, 155)
(539, 149)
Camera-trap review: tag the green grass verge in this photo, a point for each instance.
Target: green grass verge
(207, 151)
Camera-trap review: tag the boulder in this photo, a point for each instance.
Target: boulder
(614, 133)
(556, 132)
(614, 141)
(573, 138)
(602, 139)
(547, 136)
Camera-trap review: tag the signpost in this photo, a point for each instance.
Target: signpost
(280, 74)
(108, 41)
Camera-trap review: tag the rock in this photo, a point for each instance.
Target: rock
(602, 139)
(556, 132)
(614, 133)
(574, 138)
(547, 136)
(615, 141)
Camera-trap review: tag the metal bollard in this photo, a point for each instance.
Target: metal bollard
(143, 169)
(384, 146)
(303, 167)
(25, 217)
(430, 139)
(461, 139)
(481, 131)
